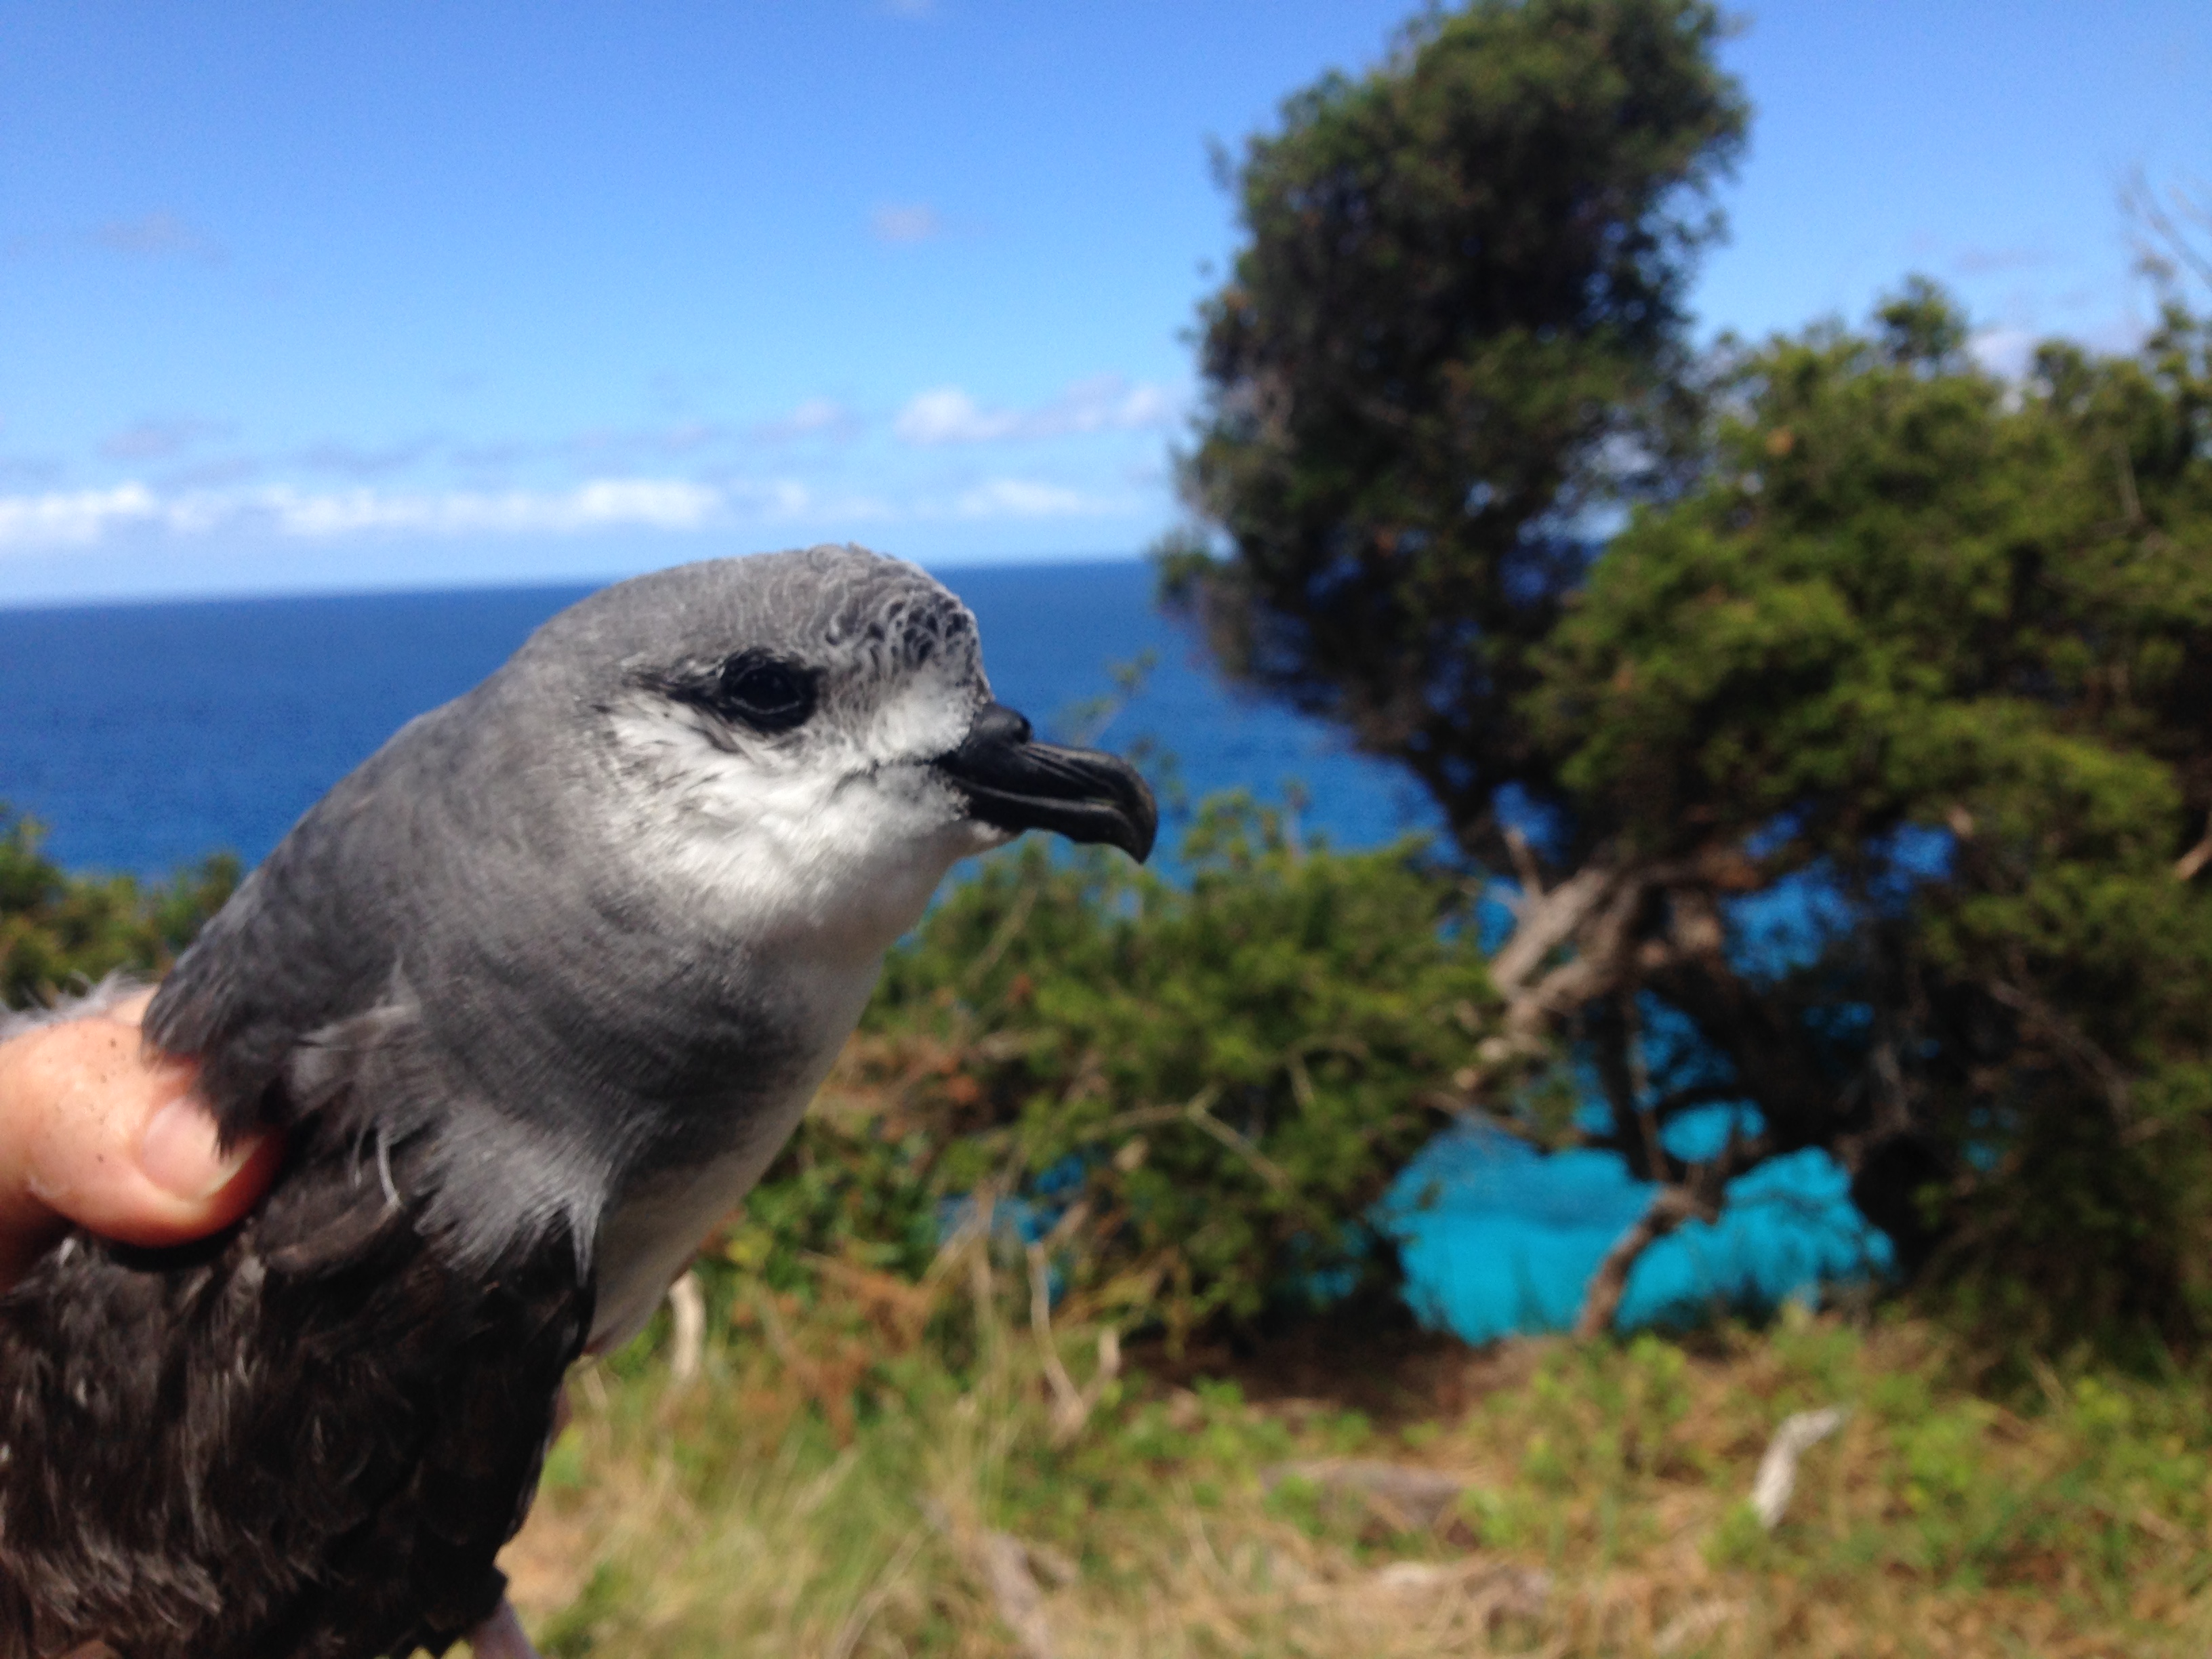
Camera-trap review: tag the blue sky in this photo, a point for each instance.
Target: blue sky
(343, 295)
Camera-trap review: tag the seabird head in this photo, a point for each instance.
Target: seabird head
(813, 732)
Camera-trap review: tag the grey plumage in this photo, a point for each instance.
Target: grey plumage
(535, 994)
(512, 838)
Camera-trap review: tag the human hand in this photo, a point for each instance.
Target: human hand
(96, 1129)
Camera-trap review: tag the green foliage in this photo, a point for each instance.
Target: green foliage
(1596, 1426)
(1912, 599)
(1203, 1089)
(1904, 587)
(1928, 1478)
(1456, 321)
(60, 931)
(2067, 1517)
(1921, 654)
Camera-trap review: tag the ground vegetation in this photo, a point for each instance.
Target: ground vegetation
(825, 1484)
(61, 932)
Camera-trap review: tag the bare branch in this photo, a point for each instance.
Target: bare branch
(1602, 917)
(1524, 866)
(1265, 1167)
(1697, 1197)
(2170, 246)
(1071, 1406)
(1669, 1208)
(1546, 923)
(1594, 915)
(2186, 867)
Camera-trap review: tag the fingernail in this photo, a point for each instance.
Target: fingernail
(179, 1153)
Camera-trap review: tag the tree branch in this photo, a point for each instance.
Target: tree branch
(1524, 866)
(2142, 203)
(1669, 1208)
(1548, 923)
(2186, 867)
(1697, 1199)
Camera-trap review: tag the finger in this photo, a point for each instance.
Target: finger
(95, 1128)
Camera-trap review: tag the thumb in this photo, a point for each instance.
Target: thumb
(97, 1129)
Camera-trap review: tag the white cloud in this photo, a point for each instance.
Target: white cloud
(77, 518)
(601, 504)
(2005, 352)
(72, 518)
(783, 499)
(948, 415)
(1103, 403)
(909, 221)
(207, 504)
(1026, 498)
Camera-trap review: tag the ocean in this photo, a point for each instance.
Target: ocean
(146, 736)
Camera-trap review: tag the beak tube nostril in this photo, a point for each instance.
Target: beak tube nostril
(997, 724)
(1013, 782)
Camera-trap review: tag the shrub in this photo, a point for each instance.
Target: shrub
(60, 931)
(1190, 1095)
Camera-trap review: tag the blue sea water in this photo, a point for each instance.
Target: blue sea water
(146, 736)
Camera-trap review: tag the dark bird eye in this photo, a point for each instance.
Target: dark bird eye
(767, 694)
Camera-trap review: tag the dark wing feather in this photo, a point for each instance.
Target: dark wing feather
(309, 1436)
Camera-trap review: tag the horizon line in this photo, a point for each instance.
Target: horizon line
(410, 588)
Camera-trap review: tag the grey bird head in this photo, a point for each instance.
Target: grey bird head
(810, 736)
(583, 943)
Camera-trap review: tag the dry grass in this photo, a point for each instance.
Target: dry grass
(831, 1486)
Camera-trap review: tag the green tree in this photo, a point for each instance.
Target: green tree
(1455, 329)
(1862, 777)
(1932, 653)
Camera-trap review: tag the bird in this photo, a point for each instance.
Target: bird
(532, 997)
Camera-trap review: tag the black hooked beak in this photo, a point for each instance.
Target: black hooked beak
(1013, 782)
